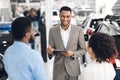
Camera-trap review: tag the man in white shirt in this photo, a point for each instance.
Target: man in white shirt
(66, 43)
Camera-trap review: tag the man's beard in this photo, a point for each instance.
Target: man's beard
(65, 24)
(31, 40)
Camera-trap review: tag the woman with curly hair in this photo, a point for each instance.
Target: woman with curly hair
(102, 49)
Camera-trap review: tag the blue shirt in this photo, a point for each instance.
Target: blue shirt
(23, 63)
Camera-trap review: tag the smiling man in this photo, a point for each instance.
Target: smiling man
(68, 39)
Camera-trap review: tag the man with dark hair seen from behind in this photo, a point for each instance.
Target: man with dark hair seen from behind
(20, 61)
(66, 43)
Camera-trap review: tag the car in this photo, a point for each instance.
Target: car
(109, 26)
(90, 23)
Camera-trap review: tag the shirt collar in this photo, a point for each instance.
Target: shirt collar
(22, 43)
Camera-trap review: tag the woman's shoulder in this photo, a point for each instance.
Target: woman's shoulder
(96, 65)
(92, 70)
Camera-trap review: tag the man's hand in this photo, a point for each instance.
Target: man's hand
(68, 53)
(50, 50)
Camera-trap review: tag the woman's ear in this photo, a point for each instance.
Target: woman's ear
(91, 52)
(89, 48)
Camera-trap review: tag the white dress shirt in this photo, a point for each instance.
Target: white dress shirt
(98, 71)
(65, 35)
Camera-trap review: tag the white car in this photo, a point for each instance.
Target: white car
(90, 23)
(91, 19)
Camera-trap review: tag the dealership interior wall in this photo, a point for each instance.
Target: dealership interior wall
(98, 6)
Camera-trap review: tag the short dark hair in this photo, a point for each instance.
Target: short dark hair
(20, 26)
(103, 46)
(65, 8)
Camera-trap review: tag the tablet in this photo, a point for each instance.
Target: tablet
(58, 51)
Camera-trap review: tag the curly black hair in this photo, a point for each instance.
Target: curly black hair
(103, 46)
